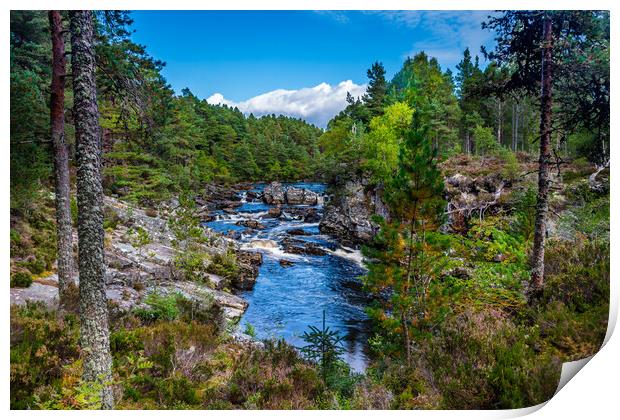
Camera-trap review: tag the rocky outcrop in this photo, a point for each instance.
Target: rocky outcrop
(248, 263)
(274, 193)
(136, 268)
(301, 247)
(469, 197)
(217, 197)
(347, 215)
(251, 223)
(301, 196)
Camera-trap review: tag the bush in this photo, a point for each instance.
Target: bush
(21, 279)
(274, 378)
(42, 343)
(224, 265)
(511, 164)
(573, 311)
(160, 307)
(483, 360)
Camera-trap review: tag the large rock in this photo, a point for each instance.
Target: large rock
(249, 263)
(294, 195)
(301, 247)
(469, 197)
(216, 197)
(301, 196)
(347, 215)
(274, 194)
(251, 223)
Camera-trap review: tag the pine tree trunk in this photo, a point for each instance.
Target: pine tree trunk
(542, 205)
(95, 340)
(61, 158)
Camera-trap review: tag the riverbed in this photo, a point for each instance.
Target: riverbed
(292, 290)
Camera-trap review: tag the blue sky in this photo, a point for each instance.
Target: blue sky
(277, 61)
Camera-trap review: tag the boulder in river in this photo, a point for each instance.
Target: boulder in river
(301, 196)
(248, 263)
(300, 247)
(274, 194)
(347, 215)
(286, 263)
(251, 223)
(297, 232)
(274, 212)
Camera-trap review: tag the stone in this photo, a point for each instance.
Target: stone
(274, 212)
(294, 195)
(274, 194)
(347, 215)
(303, 248)
(249, 263)
(251, 223)
(297, 232)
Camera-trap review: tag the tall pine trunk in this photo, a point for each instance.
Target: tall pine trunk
(61, 158)
(542, 204)
(95, 339)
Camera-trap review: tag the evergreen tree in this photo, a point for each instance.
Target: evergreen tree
(95, 334)
(375, 97)
(407, 254)
(64, 223)
(546, 42)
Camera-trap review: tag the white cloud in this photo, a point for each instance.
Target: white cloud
(448, 33)
(316, 105)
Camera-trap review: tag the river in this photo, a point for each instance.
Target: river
(287, 299)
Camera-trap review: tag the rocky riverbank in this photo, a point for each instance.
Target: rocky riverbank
(348, 213)
(140, 254)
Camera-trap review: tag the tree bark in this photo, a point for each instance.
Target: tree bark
(542, 205)
(61, 158)
(95, 340)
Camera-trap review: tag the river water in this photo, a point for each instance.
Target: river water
(286, 300)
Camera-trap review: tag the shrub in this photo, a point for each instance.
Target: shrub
(482, 360)
(274, 378)
(224, 265)
(41, 344)
(21, 279)
(160, 307)
(511, 164)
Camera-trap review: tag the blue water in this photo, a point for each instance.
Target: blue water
(286, 300)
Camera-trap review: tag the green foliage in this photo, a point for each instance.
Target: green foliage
(274, 378)
(138, 237)
(430, 92)
(189, 240)
(485, 141)
(224, 265)
(21, 279)
(41, 344)
(407, 254)
(81, 396)
(324, 347)
(381, 145)
(510, 170)
(160, 307)
(250, 330)
(589, 216)
(524, 213)
(482, 360)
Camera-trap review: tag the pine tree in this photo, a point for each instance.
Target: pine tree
(64, 222)
(375, 97)
(95, 334)
(407, 253)
(545, 43)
